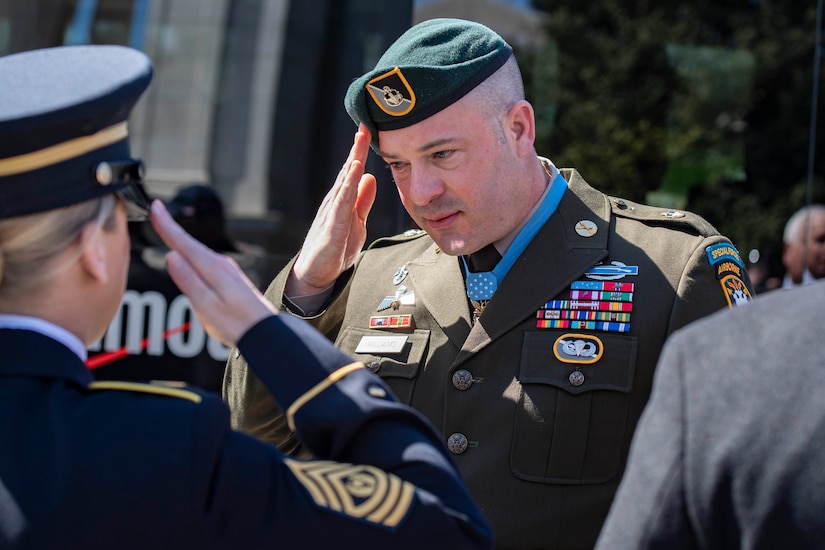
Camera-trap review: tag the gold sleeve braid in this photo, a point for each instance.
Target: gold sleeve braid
(321, 386)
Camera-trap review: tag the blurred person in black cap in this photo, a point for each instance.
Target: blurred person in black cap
(199, 210)
(155, 335)
(536, 366)
(104, 464)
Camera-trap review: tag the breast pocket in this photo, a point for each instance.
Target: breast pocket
(398, 370)
(572, 413)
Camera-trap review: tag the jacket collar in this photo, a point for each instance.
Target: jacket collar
(29, 353)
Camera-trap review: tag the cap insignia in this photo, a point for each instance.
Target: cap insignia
(392, 93)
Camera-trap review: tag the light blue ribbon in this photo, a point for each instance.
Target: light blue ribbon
(482, 285)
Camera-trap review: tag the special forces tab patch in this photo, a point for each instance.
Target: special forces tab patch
(729, 270)
(392, 93)
(358, 491)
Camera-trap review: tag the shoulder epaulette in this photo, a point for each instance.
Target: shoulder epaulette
(678, 219)
(409, 235)
(154, 389)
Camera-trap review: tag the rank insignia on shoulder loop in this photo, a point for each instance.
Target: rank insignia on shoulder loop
(392, 93)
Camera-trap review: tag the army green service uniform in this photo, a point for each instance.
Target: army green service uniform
(539, 419)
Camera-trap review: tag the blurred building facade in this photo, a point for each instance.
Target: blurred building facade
(247, 95)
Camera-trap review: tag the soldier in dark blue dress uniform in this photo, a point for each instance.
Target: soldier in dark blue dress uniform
(111, 464)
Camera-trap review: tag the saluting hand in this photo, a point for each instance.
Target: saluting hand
(339, 229)
(224, 299)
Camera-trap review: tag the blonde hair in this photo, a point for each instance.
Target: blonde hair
(30, 244)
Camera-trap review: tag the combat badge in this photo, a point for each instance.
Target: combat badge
(616, 270)
(729, 271)
(578, 348)
(358, 491)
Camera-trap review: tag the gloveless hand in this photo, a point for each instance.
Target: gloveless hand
(339, 230)
(224, 299)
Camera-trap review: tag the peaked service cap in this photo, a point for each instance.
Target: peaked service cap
(63, 126)
(431, 66)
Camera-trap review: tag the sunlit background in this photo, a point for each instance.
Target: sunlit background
(706, 105)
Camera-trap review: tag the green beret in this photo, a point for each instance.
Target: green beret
(429, 67)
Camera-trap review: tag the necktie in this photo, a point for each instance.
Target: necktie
(484, 259)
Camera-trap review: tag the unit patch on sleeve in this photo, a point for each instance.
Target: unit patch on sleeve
(729, 271)
(358, 491)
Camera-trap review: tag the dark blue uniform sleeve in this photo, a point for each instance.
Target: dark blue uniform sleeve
(381, 478)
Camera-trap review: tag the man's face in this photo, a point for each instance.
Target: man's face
(816, 245)
(458, 176)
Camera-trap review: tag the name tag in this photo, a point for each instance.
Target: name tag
(381, 344)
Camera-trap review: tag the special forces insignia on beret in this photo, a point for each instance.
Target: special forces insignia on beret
(358, 491)
(392, 93)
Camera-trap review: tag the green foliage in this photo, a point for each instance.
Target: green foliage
(703, 105)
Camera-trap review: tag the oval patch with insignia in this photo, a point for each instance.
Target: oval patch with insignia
(578, 348)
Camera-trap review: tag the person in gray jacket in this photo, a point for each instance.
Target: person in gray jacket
(729, 451)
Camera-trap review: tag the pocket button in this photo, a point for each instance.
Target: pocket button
(576, 378)
(462, 379)
(457, 443)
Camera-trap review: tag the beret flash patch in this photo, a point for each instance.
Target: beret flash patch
(358, 491)
(392, 93)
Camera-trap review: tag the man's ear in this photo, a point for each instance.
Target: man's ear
(521, 125)
(93, 252)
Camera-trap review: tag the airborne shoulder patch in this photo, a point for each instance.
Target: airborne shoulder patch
(727, 262)
(358, 491)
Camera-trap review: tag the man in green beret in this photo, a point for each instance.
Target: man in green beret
(525, 317)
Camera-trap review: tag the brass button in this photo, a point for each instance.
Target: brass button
(457, 443)
(374, 366)
(576, 378)
(462, 379)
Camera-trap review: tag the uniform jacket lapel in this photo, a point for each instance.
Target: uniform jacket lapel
(551, 262)
(439, 285)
